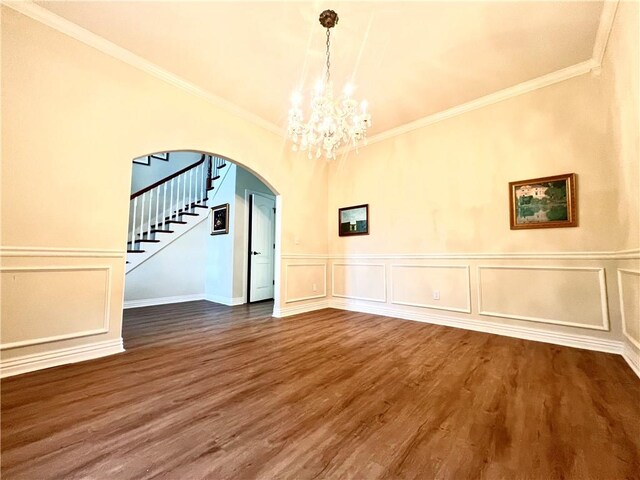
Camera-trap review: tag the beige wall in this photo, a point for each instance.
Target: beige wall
(621, 83)
(439, 211)
(621, 80)
(444, 188)
(72, 120)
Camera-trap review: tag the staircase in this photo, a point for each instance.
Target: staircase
(165, 210)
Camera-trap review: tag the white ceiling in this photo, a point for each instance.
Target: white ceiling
(408, 59)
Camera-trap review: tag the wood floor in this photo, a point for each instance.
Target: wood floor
(207, 391)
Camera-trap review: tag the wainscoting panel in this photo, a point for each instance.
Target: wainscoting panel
(30, 296)
(305, 281)
(572, 296)
(629, 293)
(415, 284)
(359, 281)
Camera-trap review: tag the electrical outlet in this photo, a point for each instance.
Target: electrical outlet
(436, 294)
(314, 287)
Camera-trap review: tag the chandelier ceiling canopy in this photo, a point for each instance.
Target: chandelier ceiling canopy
(333, 122)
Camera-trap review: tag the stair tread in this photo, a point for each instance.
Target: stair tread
(190, 214)
(148, 241)
(200, 206)
(176, 221)
(161, 231)
(135, 251)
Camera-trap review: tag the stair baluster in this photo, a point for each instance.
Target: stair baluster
(164, 206)
(133, 222)
(149, 215)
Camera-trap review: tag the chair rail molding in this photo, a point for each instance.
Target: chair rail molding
(10, 251)
(629, 254)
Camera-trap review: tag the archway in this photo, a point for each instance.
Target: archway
(178, 199)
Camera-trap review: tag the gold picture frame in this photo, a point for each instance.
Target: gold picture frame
(546, 202)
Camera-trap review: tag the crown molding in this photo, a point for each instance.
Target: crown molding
(594, 64)
(516, 90)
(604, 30)
(42, 15)
(46, 17)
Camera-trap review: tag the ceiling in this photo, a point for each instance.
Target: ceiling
(408, 59)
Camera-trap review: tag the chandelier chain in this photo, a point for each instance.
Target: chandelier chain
(328, 55)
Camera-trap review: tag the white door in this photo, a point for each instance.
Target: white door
(262, 251)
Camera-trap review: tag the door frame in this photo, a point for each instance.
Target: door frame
(246, 263)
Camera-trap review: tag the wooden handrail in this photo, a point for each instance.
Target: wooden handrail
(170, 177)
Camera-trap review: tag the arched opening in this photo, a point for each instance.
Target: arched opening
(201, 227)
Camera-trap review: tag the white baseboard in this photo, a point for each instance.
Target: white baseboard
(287, 310)
(147, 302)
(632, 357)
(526, 333)
(230, 301)
(62, 356)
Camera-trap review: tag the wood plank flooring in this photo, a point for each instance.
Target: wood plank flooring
(208, 391)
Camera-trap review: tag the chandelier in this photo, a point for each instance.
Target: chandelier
(333, 123)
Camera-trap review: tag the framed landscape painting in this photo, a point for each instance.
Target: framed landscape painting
(543, 202)
(353, 220)
(220, 219)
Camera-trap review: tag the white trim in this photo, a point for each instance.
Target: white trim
(83, 35)
(147, 302)
(500, 95)
(384, 276)
(277, 263)
(632, 357)
(525, 333)
(8, 251)
(62, 356)
(73, 30)
(604, 30)
(66, 336)
(429, 305)
(245, 259)
(300, 308)
(229, 301)
(603, 296)
(630, 254)
(311, 297)
(621, 297)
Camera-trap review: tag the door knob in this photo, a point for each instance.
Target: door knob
(255, 253)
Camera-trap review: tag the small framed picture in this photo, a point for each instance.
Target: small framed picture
(543, 202)
(353, 220)
(220, 219)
